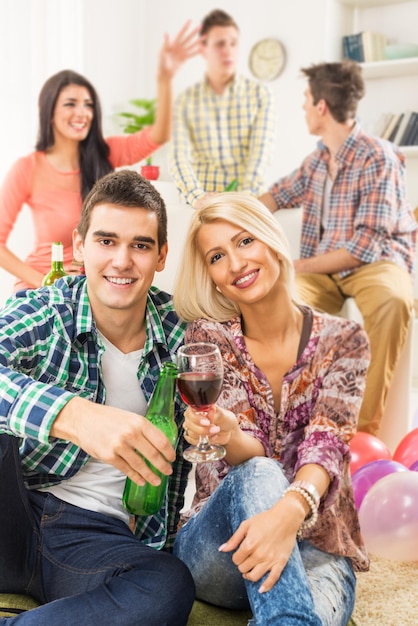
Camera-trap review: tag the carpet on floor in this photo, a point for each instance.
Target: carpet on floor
(387, 595)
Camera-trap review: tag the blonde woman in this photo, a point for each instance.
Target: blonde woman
(273, 525)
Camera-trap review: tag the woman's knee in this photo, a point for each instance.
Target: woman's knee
(257, 472)
(255, 486)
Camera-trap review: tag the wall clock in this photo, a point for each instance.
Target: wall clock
(267, 59)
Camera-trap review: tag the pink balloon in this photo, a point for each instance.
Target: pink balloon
(365, 448)
(389, 517)
(367, 475)
(407, 450)
(414, 467)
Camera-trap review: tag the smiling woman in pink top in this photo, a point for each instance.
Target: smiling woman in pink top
(71, 154)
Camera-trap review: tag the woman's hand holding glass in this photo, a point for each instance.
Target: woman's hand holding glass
(218, 426)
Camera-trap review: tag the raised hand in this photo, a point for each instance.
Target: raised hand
(185, 45)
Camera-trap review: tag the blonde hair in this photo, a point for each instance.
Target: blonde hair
(195, 294)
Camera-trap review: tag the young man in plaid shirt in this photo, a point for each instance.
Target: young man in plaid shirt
(358, 231)
(223, 126)
(78, 363)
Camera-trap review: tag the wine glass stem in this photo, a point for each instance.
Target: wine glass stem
(203, 444)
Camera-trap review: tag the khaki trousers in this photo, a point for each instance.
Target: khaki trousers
(384, 296)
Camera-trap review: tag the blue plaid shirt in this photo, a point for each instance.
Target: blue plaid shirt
(49, 352)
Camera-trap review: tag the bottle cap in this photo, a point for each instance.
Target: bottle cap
(57, 251)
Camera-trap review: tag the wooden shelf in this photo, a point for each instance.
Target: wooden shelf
(390, 69)
(362, 4)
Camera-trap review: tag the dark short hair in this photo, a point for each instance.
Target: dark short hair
(125, 188)
(217, 17)
(341, 85)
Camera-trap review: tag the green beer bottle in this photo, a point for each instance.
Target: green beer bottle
(148, 499)
(57, 264)
(233, 185)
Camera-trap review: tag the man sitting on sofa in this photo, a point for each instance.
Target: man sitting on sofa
(358, 231)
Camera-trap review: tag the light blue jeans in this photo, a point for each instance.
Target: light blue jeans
(315, 588)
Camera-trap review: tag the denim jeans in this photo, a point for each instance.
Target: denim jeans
(315, 588)
(87, 568)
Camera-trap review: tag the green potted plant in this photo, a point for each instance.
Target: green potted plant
(133, 122)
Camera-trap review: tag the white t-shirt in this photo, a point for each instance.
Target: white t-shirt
(325, 204)
(98, 486)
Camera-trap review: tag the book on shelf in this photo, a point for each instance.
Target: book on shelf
(410, 137)
(395, 129)
(414, 139)
(399, 128)
(381, 124)
(391, 125)
(365, 46)
(353, 47)
(399, 137)
(373, 46)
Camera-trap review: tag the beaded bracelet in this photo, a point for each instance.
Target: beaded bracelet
(309, 488)
(313, 517)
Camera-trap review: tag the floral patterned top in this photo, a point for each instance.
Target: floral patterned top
(320, 400)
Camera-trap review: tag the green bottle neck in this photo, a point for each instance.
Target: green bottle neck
(57, 266)
(162, 401)
(57, 258)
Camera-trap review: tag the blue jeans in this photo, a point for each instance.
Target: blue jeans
(87, 568)
(315, 588)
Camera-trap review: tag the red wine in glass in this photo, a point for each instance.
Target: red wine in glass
(199, 390)
(199, 380)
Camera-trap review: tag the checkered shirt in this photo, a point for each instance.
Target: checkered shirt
(221, 137)
(49, 352)
(369, 213)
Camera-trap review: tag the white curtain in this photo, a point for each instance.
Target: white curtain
(37, 38)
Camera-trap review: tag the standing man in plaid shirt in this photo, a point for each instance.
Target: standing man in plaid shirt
(78, 364)
(223, 126)
(358, 231)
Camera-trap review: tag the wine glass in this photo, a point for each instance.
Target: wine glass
(199, 380)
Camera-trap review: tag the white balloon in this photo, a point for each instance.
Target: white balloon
(389, 517)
